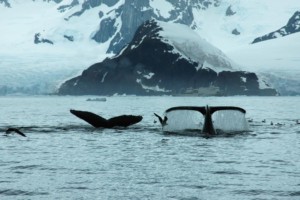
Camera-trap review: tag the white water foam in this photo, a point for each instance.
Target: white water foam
(225, 120)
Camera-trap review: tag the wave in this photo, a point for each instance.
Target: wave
(12, 192)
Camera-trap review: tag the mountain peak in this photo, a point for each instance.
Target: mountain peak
(184, 42)
(84, 31)
(157, 61)
(293, 26)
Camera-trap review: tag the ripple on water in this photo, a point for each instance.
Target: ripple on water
(294, 194)
(67, 159)
(8, 163)
(228, 172)
(149, 182)
(6, 182)
(195, 186)
(277, 193)
(275, 133)
(12, 192)
(227, 162)
(25, 167)
(76, 188)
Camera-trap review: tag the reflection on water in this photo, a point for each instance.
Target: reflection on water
(62, 157)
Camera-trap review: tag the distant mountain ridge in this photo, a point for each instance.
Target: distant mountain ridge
(121, 23)
(293, 26)
(60, 38)
(118, 20)
(121, 20)
(152, 65)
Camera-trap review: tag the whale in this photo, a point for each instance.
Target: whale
(100, 122)
(14, 130)
(207, 111)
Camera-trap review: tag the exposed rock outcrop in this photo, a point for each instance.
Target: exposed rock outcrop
(293, 26)
(152, 65)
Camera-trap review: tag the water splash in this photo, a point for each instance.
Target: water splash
(225, 120)
(179, 120)
(230, 120)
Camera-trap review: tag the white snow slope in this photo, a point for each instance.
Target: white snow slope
(192, 46)
(42, 67)
(279, 57)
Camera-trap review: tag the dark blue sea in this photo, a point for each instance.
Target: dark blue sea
(63, 157)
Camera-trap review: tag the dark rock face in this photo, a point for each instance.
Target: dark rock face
(147, 66)
(235, 32)
(119, 24)
(103, 36)
(229, 11)
(134, 14)
(38, 39)
(241, 83)
(293, 26)
(69, 37)
(56, 1)
(5, 2)
(88, 4)
(66, 7)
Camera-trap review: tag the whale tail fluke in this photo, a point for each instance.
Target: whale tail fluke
(220, 108)
(124, 120)
(207, 112)
(91, 118)
(10, 130)
(162, 121)
(100, 122)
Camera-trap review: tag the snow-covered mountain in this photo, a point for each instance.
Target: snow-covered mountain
(166, 58)
(293, 26)
(43, 43)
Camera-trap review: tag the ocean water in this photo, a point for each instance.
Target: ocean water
(63, 157)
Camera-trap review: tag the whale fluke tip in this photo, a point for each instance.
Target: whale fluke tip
(100, 122)
(163, 122)
(10, 130)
